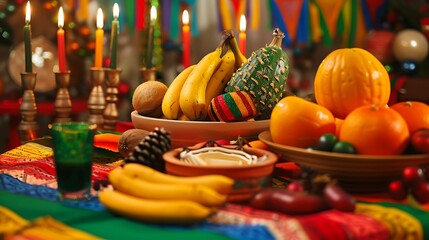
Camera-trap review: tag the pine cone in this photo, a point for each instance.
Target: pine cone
(150, 150)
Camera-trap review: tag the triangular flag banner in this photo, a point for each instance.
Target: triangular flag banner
(277, 20)
(375, 8)
(254, 14)
(330, 11)
(290, 11)
(175, 19)
(225, 14)
(242, 7)
(304, 23)
(327, 38)
(316, 31)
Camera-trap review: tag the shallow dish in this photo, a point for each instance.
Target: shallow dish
(188, 133)
(249, 179)
(356, 173)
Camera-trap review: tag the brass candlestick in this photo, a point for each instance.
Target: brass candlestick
(63, 104)
(96, 100)
(111, 111)
(28, 128)
(147, 74)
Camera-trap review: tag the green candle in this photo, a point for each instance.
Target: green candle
(27, 40)
(149, 53)
(114, 36)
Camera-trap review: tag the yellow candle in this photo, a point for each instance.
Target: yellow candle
(99, 38)
(27, 39)
(242, 35)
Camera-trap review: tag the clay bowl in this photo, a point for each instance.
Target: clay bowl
(188, 133)
(249, 179)
(355, 173)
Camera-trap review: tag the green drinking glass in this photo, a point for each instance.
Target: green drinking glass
(73, 147)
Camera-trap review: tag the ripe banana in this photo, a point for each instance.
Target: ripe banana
(140, 188)
(219, 183)
(170, 102)
(239, 57)
(221, 76)
(154, 211)
(192, 97)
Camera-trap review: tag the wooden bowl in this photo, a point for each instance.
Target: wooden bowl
(249, 179)
(355, 173)
(188, 133)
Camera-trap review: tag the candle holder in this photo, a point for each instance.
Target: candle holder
(111, 111)
(147, 74)
(62, 104)
(96, 100)
(28, 128)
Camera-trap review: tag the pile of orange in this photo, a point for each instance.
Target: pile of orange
(351, 89)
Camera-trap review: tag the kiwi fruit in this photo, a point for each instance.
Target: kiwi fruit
(130, 139)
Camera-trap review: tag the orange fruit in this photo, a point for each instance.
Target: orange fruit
(415, 113)
(349, 78)
(299, 123)
(375, 130)
(258, 144)
(338, 124)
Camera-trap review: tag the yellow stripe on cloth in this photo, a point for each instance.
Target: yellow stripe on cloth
(13, 226)
(30, 150)
(401, 225)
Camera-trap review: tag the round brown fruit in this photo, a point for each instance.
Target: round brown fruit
(147, 98)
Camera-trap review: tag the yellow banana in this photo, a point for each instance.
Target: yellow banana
(192, 97)
(140, 188)
(239, 57)
(219, 183)
(170, 102)
(154, 211)
(221, 76)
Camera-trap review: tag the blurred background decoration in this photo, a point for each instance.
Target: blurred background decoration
(395, 31)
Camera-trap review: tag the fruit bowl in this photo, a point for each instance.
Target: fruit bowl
(355, 173)
(188, 133)
(249, 179)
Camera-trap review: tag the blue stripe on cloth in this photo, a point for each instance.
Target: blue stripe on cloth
(242, 231)
(13, 185)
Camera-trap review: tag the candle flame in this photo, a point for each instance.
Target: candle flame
(185, 17)
(100, 18)
(153, 14)
(242, 23)
(61, 18)
(28, 12)
(115, 10)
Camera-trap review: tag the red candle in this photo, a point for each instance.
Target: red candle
(242, 35)
(61, 42)
(186, 40)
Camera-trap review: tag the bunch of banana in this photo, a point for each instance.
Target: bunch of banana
(190, 93)
(232, 41)
(164, 198)
(219, 183)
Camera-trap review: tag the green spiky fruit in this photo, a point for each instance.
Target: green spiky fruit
(263, 76)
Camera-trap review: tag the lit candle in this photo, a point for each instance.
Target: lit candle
(27, 39)
(99, 35)
(242, 35)
(61, 42)
(149, 54)
(186, 38)
(114, 36)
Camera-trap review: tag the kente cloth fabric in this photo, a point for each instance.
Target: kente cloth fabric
(29, 171)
